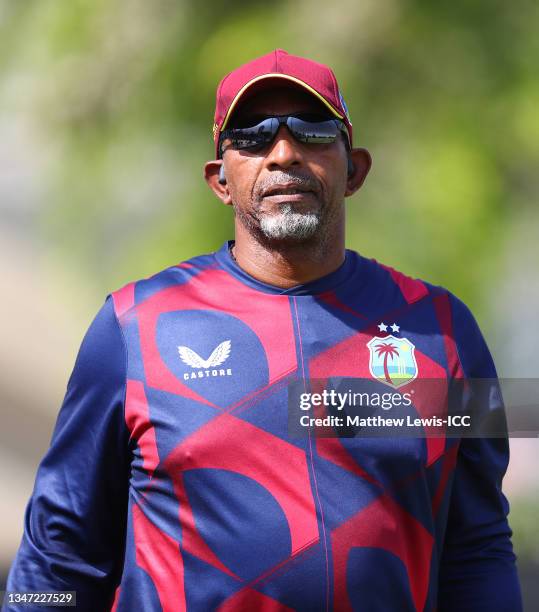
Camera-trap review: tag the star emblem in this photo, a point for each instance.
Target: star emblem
(382, 327)
(395, 327)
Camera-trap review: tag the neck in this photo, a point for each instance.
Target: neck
(286, 264)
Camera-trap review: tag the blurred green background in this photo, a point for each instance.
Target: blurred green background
(106, 111)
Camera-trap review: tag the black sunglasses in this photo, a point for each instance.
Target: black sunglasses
(305, 128)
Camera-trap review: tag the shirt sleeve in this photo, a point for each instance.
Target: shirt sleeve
(478, 567)
(75, 521)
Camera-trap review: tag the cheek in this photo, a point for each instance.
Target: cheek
(242, 179)
(333, 180)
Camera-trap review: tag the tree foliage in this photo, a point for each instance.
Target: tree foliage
(122, 93)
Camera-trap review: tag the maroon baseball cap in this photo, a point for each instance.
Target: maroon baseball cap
(316, 78)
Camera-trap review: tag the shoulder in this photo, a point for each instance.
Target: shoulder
(455, 322)
(136, 292)
(408, 288)
(453, 312)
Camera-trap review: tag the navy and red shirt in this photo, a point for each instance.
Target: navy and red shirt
(172, 483)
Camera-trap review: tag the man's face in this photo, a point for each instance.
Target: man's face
(289, 190)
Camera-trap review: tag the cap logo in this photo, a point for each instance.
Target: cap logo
(345, 108)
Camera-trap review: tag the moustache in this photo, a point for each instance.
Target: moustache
(302, 181)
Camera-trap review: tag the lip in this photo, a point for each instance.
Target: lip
(275, 192)
(279, 198)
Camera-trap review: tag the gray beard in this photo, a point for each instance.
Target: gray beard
(288, 224)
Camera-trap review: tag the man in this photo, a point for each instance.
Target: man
(173, 483)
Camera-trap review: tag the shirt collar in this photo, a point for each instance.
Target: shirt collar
(320, 285)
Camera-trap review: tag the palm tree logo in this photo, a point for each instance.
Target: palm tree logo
(387, 350)
(392, 360)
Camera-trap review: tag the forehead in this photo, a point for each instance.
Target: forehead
(279, 100)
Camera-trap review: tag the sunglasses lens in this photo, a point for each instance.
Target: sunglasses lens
(316, 132)
(250, 137)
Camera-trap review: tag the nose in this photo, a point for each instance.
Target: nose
(284, 151)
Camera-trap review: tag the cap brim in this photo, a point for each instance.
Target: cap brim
(262, 82)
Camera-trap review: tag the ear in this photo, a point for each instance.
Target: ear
(362, 162)
(211, 176)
